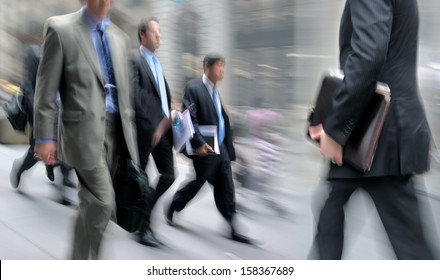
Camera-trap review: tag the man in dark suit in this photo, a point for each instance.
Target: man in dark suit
(27, 161)
(153, 120)
(30, 62)
(85, 57)
(202, 99)
(378, 42)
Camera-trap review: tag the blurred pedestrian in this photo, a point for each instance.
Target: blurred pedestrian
(84, 56)
(153, 115)
(202, 99)
(20, 165)
(378, 42)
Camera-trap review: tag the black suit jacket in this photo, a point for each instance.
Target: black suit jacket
(148, 106)
(199, 102)
(378, 42)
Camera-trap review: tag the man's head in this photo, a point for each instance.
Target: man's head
(214, 67)
(99, 8)
(149, 33)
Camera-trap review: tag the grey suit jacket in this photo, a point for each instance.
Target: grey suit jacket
(69, 64)
(378, 42)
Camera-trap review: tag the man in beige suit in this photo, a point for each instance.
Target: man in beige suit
(84, 56)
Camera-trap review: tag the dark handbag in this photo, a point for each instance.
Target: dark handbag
(16, 112)
(134, 196)
(361, 146)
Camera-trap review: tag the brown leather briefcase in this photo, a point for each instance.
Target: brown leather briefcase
(362, 144)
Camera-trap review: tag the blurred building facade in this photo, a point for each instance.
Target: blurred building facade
(276, 50)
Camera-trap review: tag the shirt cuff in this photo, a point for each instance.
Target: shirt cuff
(45, 140)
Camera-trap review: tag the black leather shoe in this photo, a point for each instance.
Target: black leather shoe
(169, 215)
(49, 173)
(148, 239)
(14, 176)
(69, 184)
(66, 202)
(241, 238)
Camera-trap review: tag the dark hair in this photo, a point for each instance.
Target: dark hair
(143, 26)
(212, 58)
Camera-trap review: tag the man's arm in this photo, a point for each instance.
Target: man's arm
(48, 83)
(368, 38)
(371, 21)
(190, 103)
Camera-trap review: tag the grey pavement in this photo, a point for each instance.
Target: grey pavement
(33, 225)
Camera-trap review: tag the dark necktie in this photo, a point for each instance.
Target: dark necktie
(110, 83)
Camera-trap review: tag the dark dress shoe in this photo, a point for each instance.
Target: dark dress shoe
(241, 238)
(169, 216)
(14, 176)
(69, 184)
(49, 173)
(66, 202)
(148, 239)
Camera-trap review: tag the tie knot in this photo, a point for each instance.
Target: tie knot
(100, 28)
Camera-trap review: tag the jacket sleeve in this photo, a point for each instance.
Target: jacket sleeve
(192, 102)
(48, 83)
(364, 36)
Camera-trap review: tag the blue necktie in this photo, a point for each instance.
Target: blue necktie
(221, 121)
(161, 83)
(109, 77)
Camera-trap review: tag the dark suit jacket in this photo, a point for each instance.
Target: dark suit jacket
(378, 42)
(146, 94)
(31, 61)
(203, 112)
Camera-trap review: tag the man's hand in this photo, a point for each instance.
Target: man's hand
(46, 152)
(204, 150)
(315, 132)
(161, 129)
(330, 149)
(156, 137)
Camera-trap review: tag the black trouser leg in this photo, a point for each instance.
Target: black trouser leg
(224, 192)
(398, 208)
(28, 160)
(163, 158)
(330, 235)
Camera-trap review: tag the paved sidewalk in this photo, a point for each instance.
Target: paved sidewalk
(33, 225)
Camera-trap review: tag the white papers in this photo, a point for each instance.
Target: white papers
(184, 132)
(209, 133)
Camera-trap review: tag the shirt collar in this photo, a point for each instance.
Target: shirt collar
(146, 53)
(209, 85)
(91, 21)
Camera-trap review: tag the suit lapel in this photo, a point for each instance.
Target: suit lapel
(116, 55)
(146, 69)
(208, 98)
(86, 44)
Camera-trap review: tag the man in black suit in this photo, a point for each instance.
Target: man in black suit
(201, 98)
(153, 108)
(378, 42)
(27, 161)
